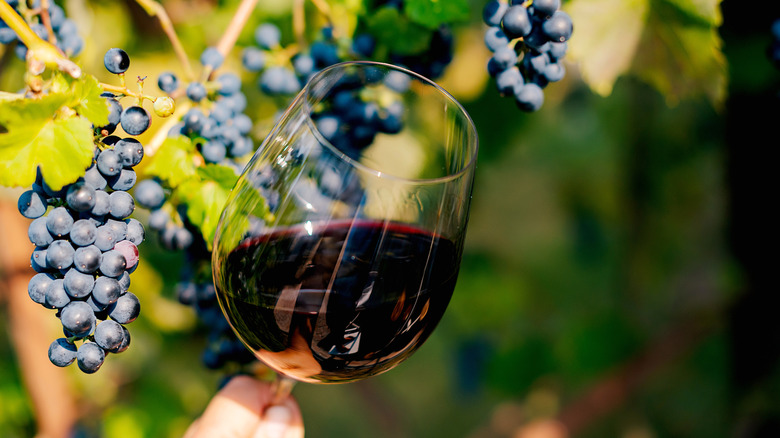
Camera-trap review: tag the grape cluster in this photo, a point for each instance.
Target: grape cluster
(282, 74)
(65, 31)
(86, 247)
(217, 124)
(529, 40)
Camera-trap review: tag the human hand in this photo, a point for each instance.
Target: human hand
(244, 409)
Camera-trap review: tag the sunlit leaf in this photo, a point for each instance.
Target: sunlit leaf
(173, 162)
(605, 39)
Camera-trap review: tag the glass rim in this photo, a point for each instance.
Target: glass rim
(306, 95)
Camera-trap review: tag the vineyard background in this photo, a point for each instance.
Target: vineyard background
(615, 276)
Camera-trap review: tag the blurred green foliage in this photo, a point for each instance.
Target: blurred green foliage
(598, 249)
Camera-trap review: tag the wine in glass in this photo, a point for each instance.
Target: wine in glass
(338, 249)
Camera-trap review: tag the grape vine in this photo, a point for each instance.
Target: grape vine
(58, 137)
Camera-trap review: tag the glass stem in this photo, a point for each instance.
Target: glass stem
(282, 387)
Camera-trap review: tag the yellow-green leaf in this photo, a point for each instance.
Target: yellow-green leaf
(62, 148)
(173, 162)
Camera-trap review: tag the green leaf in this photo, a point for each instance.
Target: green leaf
(394, 30)
(434, 13)
(83, 96)
(91, 105)
(206, 196)
(173, 162)
(671, 44)
(62, 148)
(680, 54)
(605, 39)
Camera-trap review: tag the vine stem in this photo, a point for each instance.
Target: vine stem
(162, 132)
(234, 28)
(299, 22)
(37, 49)
(155, 9)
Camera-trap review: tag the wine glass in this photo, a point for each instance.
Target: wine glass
(338, 249)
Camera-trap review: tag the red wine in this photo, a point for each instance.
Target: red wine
(340, 301)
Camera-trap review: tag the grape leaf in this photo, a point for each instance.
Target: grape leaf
(62, 148)
(395, 31)
(605, 39)
(173, 162)
(680, 55)
(671, 44)
(83, 96)
(434, 13)
(205, 197)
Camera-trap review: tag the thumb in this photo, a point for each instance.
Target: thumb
(243, 409)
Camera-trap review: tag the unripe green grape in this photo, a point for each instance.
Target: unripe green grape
(164, 106)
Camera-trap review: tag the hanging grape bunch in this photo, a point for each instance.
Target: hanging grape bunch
(63, 35)
(86, 247)
(529, 40)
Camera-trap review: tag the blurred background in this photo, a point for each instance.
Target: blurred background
(615, 278)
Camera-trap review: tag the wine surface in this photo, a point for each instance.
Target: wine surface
(337, 302)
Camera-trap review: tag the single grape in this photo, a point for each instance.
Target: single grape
(546, 8)
(252, 58)
(39, 233)
(168, 82)
(56, 295)
(508, 80)
(38, 285)
(81, 196)
(78, 318)
(121, 204)
(559, 27)
(554, 72)
(77, 284)
(90, 357)
(164, 106)
(124, 181)
(38, 260)
(83, 232)
(303, 64)
(214, 151)
(505, 57)
(116, 61)
(149, 194)
(135, 120)
(102, 206)
(529, 97)
(194, 120)
(229, 83)
(267, 35)
(105, 238)
(109, 163)
(126, 308)
(106, 291)
(94, 178)
(211, 57)
(109, 335)
(112, 264)
(118, 227)
(558, 50)
(495, 38)
(59, 255)
(125, 342)
(129, 251)
(87, 259)
(516, 22)
(31, 204)
(196, 91)
(493, 12)
(62, 353)
(158, 219)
